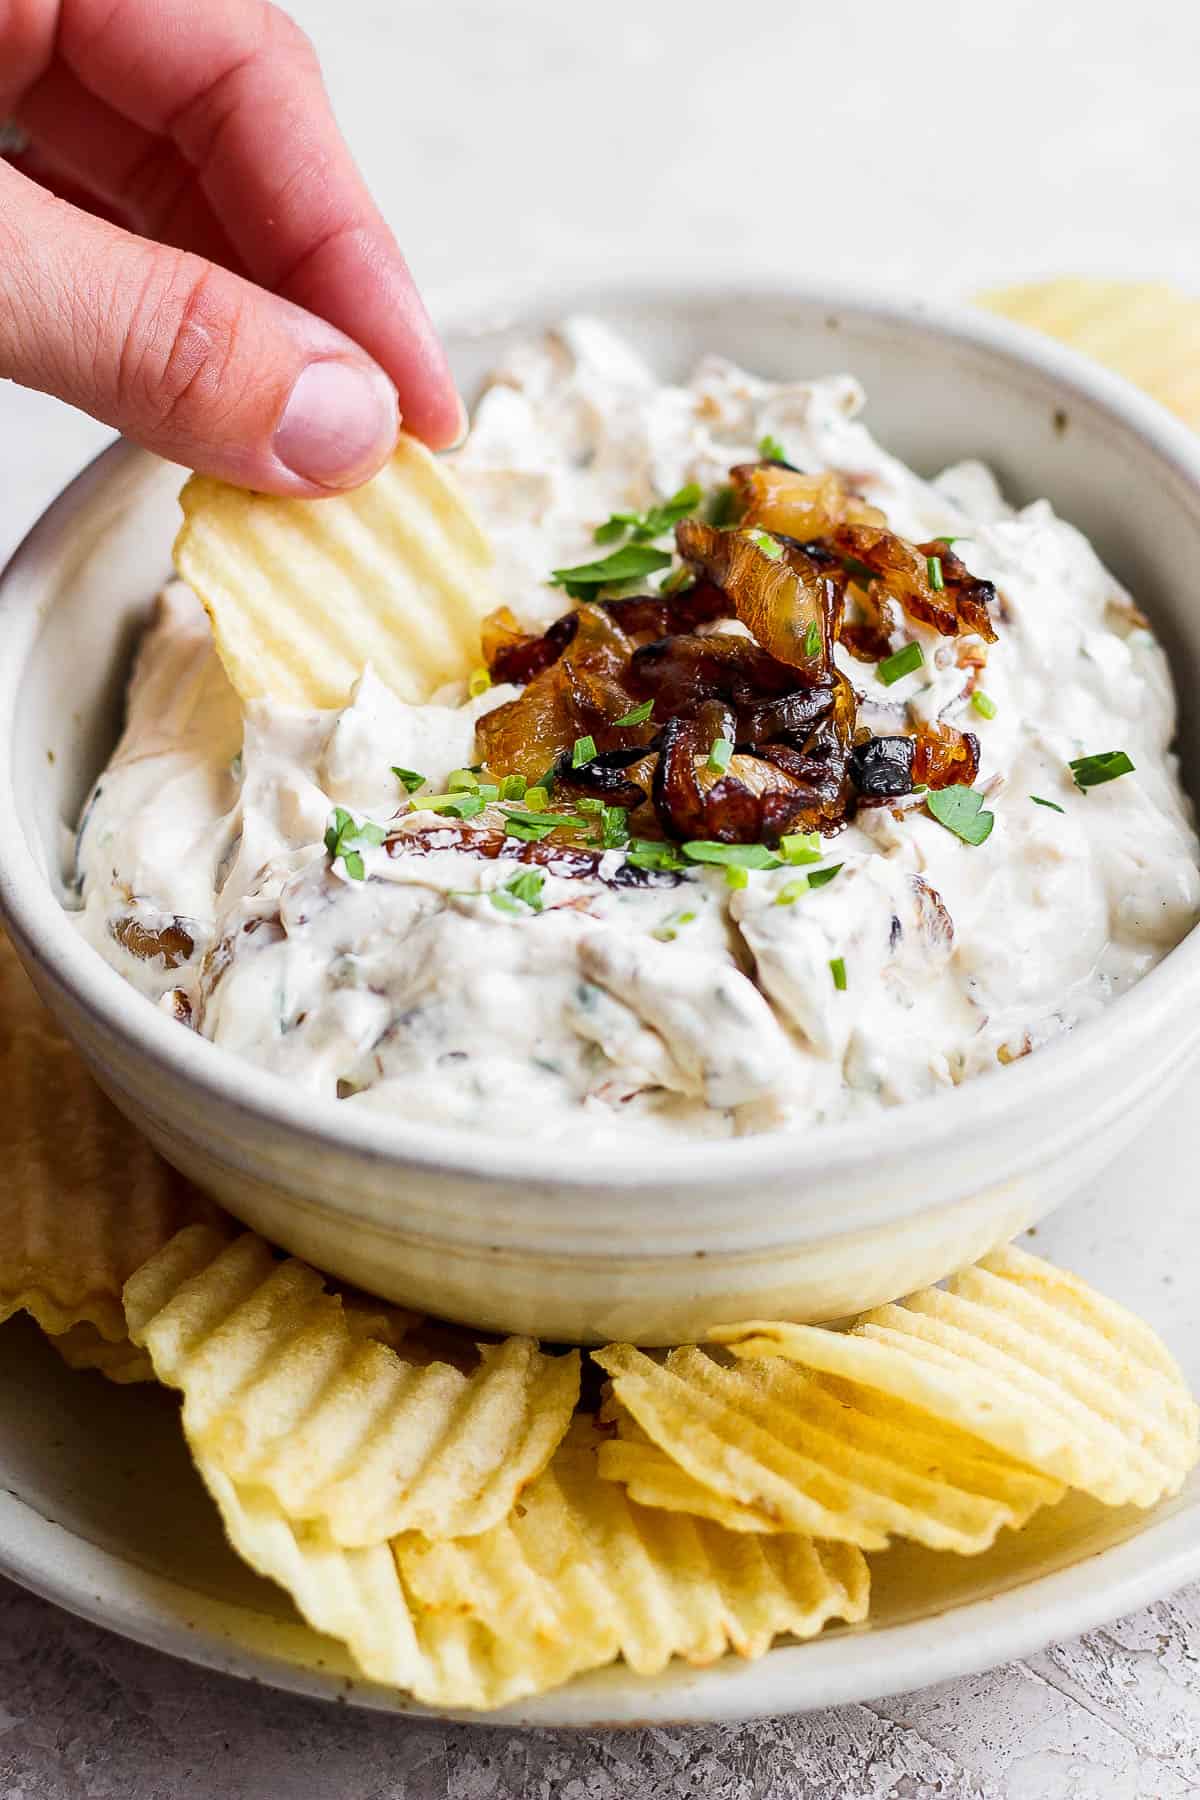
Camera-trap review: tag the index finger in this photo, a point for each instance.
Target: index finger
(236, 85)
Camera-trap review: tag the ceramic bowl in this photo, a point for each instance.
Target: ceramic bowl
(504, 1234)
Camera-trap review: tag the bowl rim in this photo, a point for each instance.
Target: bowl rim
(51, 942)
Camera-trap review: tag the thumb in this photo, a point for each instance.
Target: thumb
(190, 360)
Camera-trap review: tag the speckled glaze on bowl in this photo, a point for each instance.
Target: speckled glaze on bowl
(507, 1235)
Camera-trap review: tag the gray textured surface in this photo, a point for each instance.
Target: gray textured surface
(86, 1716)
(965, 145)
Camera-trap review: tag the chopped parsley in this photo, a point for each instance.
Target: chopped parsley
(629, 563)
(614, 829)
(719, 756)
(479, 683)
(983, 703)
(408, 778)
(525, 887)
(540, 819)
(1052, 804)
(801, 847)
(344, 830)
(960, 810)
(933, 568)
(723, 508)
(652, 853)
(637, 715)
(812, 640)
(740, 856)
(901, 663)
(770, 449)
(583, 750)
(837, 969)
(770, 546)
(652, 523)
(1094, 771)
(819, 877)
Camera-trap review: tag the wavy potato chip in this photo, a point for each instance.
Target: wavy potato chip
(82, 1347)
(793, 1455)
(1147, 331)
(1028, 1360)
(84, 1198)
(573, 1578)
(303, 594)
(283, 1391)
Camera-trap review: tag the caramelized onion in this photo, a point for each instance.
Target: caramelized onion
(944, 757)
(560, 859)
(514, 655)
(960, 606)
(778, 499)
(790, 606)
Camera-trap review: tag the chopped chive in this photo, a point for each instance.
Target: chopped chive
(583, 751)
(801, 847)
(812, 639)
(960, 810)
(537, 816)
(528, 834)
(735, 877)
(637, 715)
(819, 877)
(408, 778)
(537, 799)
(791, 891)
(1105, 765)
(983, 703)
(479, 683)
(837, 969)
(742, 856)
(719, 755)
(589, 804)
(770, 546)
(943, 539)
(462, 779)
(902, 662)
(1052, 804)
(512, 787)
(933, 566)
(668, 931)
(488, 791)
(770, 449)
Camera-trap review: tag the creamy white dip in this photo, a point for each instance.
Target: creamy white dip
(686, 1008)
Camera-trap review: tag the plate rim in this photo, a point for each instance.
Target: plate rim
(852, 1665)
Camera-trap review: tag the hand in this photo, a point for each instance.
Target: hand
(264, 327)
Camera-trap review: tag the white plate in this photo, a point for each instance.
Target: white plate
(101, 1512)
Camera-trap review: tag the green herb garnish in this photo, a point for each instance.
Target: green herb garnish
(819, 877)
(583, 750)
(837, 969)
(770, 449)
(461, 806)
(668, 931)
(652, 523)
(614, 829)
(637, 715)
(479, 683)
(723, 508)
(801, 847)
(512, 787)
(719, 755)
(652, 853)
(488, 791)
(1052, 804)
(983, 703)
(812, 639)
(741, 856)
(627, 564)
(537, 798)
(462, 781)
(408, 778)
(1094, 771)
(735, 877)
(902, 662)
(548, 820)
(770, 546)
(791, 891)
(933, 568)
(525, 887)
(960, 810)
(342, 831)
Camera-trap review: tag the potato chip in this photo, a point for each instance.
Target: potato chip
(1028, 1360)
(84, 1198)
(303, 594)
(282, 1392)
(575, 1577)
(1147, 331)
(796, 1456)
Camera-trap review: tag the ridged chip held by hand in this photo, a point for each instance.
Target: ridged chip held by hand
(287, 1391)
(780, 1451)
(1147, 331)
(1030, 1361)
(84, 1199)
(304, 594)
(576, 1576)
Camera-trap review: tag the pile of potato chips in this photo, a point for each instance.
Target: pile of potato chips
(449, 1512)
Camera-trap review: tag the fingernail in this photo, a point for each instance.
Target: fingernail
(464, 426)
(340, 422)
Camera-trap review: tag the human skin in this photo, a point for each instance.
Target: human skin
(228, 294)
